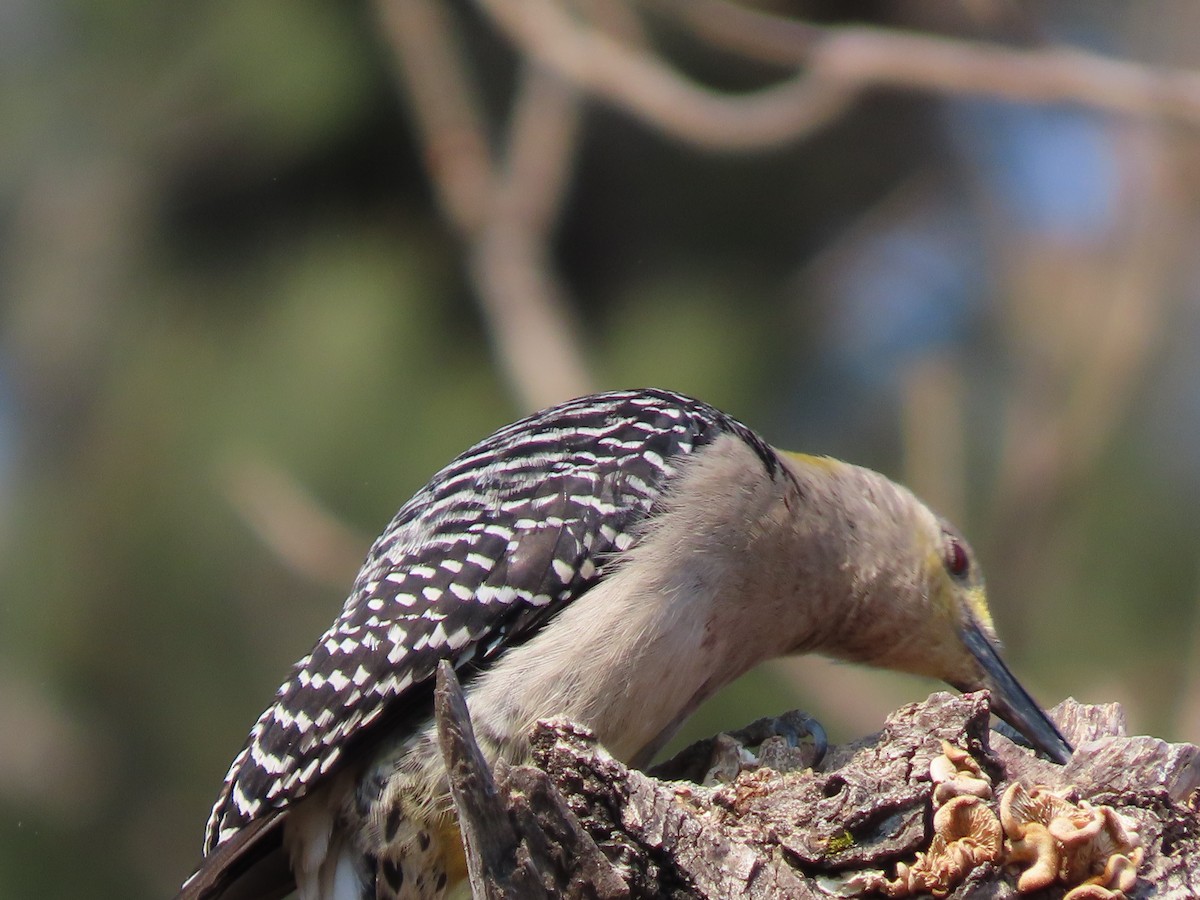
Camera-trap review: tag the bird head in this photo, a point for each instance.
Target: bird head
(911, 595)
(965, 651)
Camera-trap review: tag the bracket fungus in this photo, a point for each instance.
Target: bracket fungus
(1092, 848)
(956, 774)
(966, 833)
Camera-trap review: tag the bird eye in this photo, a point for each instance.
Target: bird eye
(957, 561)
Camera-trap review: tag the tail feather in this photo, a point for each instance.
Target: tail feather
(250, 865)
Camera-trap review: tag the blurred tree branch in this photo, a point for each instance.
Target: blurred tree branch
(646, 85)
(837, 62)
(523, 299)
(504, 201)
(502, 204)
(304, 536)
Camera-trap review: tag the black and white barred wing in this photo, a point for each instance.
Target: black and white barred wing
(495, 544)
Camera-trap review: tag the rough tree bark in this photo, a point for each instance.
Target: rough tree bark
(579, 824)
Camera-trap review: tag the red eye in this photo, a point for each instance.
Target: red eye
(957, 561)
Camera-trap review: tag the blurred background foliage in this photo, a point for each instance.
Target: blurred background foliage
(239, 326)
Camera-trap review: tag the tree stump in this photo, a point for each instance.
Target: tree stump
(745, 815)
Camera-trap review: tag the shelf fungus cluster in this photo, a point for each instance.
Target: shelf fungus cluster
(966, 833)
(1059, 842)
(1091, 850)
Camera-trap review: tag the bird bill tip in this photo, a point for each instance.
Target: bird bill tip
(1012, 703)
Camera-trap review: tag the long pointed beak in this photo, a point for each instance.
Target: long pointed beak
(1010, 701)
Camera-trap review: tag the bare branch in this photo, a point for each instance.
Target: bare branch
(649, 88)
(305, 537)
(878, 57)
(507, 215)
(445, 105)
(838, 63)
(521, 294)
(749, 32)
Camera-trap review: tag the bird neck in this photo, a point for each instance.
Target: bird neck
(855, 574)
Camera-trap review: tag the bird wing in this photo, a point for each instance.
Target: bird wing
(501, 539)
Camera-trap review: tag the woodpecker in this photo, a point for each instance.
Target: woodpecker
(615, 559)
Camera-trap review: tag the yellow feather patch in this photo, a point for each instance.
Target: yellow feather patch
(977, 600)
(454, 857)
(828, 463)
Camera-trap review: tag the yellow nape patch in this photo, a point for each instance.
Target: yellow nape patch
(827, 463)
